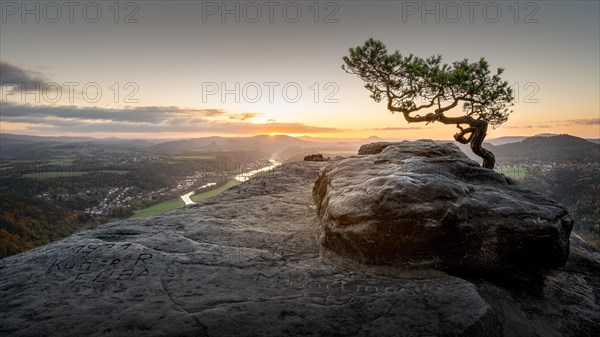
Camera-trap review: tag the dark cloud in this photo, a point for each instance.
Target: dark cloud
(148, 114)
(13, 74)
(149, 119)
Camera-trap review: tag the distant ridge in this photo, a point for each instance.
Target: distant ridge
(34, 147)
(265, 143)
(505, 140)
(543, 147)
(515, 139)
(550, 148)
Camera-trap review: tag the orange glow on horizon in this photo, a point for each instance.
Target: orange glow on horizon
(399, 130)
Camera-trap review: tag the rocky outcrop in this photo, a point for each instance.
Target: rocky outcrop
(426, 204)
(374, 148)
(315, 157)
(246, 263)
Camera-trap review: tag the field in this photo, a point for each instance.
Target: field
(171, 204)
(205, 157)
(60, 162)
(159, 208)
(5, 166)
(68, 174)
(203, 196)
(54, 162)
(55, 174)
(514, 172)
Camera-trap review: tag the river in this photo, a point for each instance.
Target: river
(240, 177)
(186, 197)
(247, 175)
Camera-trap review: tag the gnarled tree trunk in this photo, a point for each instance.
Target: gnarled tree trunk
(477, 130)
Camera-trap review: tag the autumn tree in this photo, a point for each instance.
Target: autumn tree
(410, 84)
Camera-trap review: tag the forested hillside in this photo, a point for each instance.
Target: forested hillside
(578, 189)
(27, 222)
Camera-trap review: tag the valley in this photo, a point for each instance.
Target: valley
(52, 187)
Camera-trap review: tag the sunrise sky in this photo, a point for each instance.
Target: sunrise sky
(193, 69)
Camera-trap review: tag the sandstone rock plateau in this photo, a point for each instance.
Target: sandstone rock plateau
(427, 204)
(247, 263)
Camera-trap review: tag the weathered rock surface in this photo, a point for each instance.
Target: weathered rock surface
(374, 148)
(315, 157)
(246, 263)
(427, 204)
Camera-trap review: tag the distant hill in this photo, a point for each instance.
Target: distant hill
(23, 147)
(263, 143)
(505, 140)
(17, 147)
(189, 145)
(34, 139)
(373, 139)
(36, 147)
(515, 139)
(31, 148)
(543, 147)
(549, 149)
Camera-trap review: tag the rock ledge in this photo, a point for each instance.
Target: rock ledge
(246, 263)
(426, 204)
